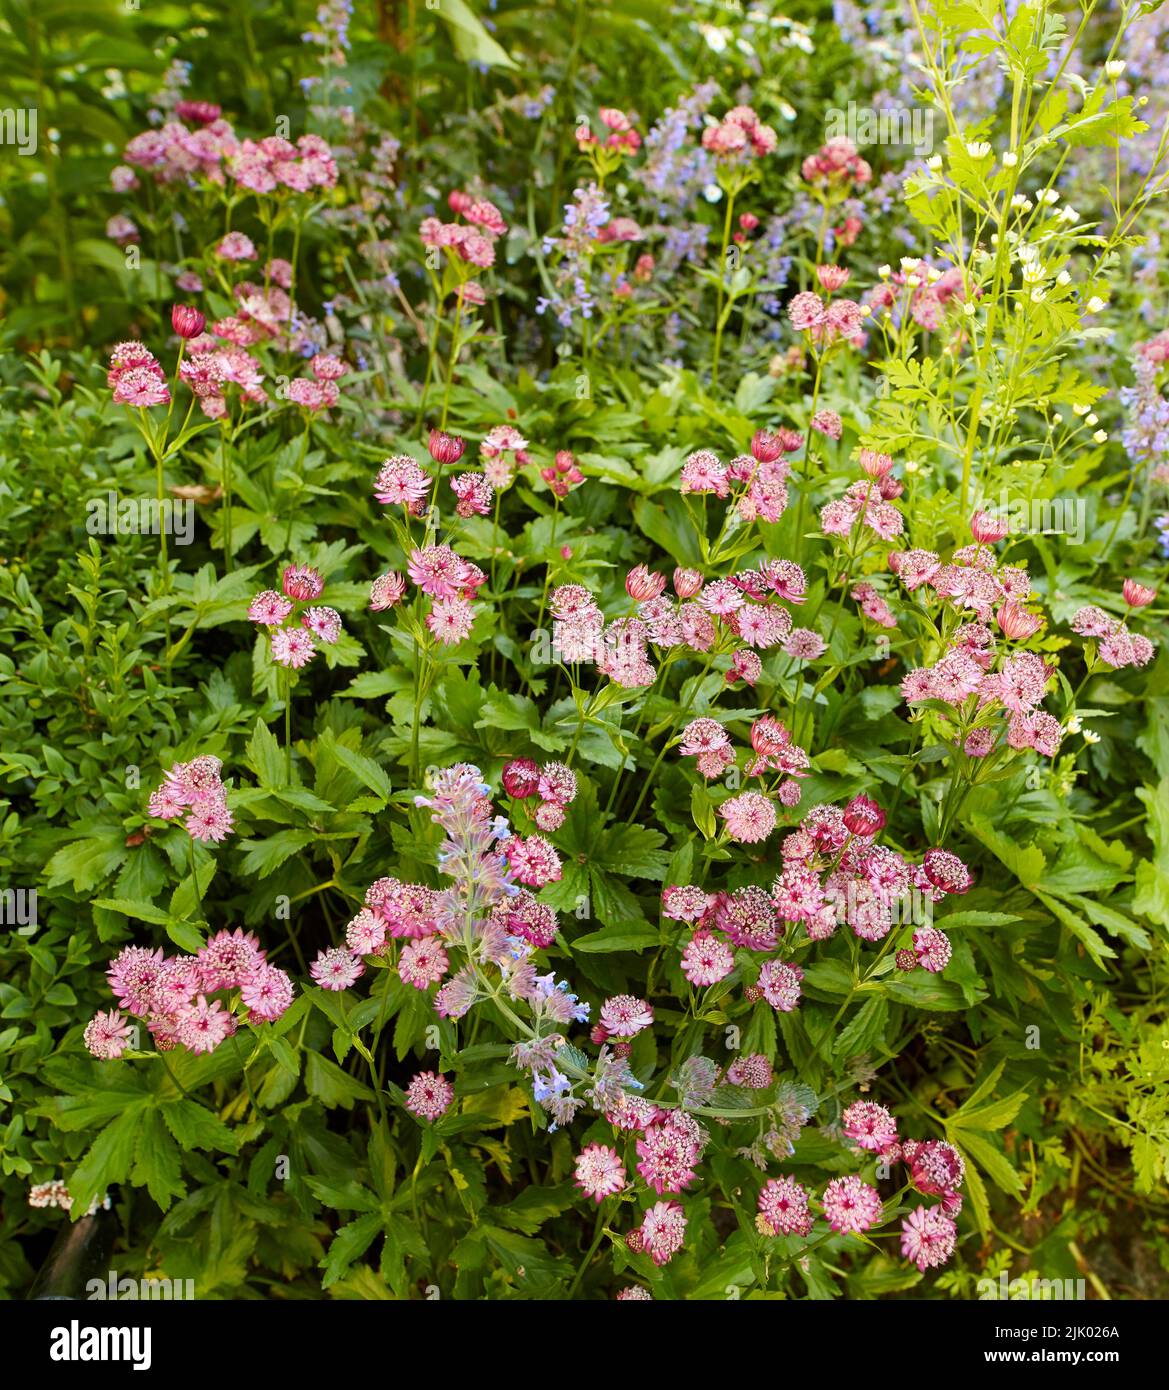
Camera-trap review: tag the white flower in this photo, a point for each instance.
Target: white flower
(1091, 736)
(1047, 196)
(1100, 437)
(979, 149)
(1095, 304)
(1092, 420)
(1113, 69)
(1010, 159)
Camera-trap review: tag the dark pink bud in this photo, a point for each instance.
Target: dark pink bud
(521, 778)
(186, 320)
(445, 448)
(863, 817)
(765, 446)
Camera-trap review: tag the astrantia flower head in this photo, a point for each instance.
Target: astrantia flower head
(783, 1208)
(932, 949)
(108, 1035)
(661, 1232)
(323, 623)
(423, 962)
(750, 817)
(946, 872)
(928, 1237)
(936, 1168)
(269, 608)
(748, 917)
(533, 860)
(302, 582)
(599, 1172)
(685, 904)
(752, 1071)
(401, 482)
(228, 959)
(292, 647)
(851, 1205)
(336, 968)
(781, 983)
(386, 591)
(445, 448)
(706, 959)
(624, 1016)
(429, 1096)
(870, 1126)
(863, 817)
(267, 992)
(521, 777)
(557, 783)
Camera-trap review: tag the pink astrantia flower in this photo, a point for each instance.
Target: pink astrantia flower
(870, 1126)
(668, 1151)
(269, 608)
(336, 968)
(386, 591)
(661, 1232)
(706, 959)
(624, 1016)
(423, 962)
(533, 860)
(302, 582)
(599, 1172)
(686, 903)
(292, 647)
(932, 949)
(429, 1096)
(107, 1035)
(267, 992)
(753, 1071)
(780, 982)
(851, 1205)
(928, 1237)
(450, 620)
(323, 623)
(783, 1208)
(401, 482)
(750, 817)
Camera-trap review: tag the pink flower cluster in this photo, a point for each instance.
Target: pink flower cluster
(174, 153)
(562, 475)
(865, 506)
(850, 1205)
(209, 370)
(929, 292)
(622, 135)
(429, 1096)
(836, 164)
(293, 618)
(554, 784)
(136, 378)
(471, 242)
(1116, 645)
(196, 792)
(173, 995)
(826, 321)
(755, 483)
(740, 135)
(450, 582)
